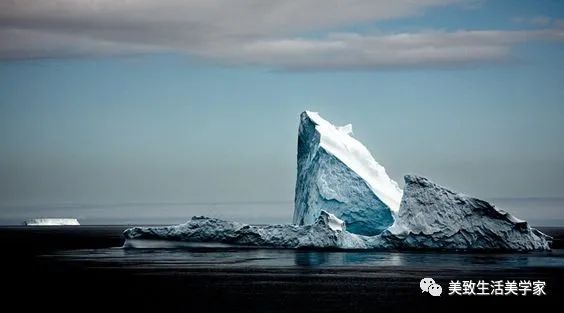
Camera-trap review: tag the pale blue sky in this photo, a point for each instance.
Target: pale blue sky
(83, 121)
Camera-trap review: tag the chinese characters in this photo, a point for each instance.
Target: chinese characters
(496, 288)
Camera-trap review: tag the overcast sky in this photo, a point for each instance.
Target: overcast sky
(150, 102)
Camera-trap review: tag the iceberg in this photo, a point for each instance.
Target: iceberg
(337, 174)
(345, 200)
(328, 232)
(52, 222)
(433, 217)
(430, 217)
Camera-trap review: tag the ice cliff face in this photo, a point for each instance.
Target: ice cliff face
(327, 232)
(336, 173)
(431, 216)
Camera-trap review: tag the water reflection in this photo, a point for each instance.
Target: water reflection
(234, 257)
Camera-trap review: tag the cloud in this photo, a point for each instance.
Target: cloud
(29, 44)
(273, 34)
(355, 51)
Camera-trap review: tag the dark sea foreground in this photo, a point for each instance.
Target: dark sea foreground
(83, 268)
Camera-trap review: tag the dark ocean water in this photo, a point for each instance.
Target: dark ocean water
(86, 267)
(219, 258)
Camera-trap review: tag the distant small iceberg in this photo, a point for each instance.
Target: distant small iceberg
(52, 222)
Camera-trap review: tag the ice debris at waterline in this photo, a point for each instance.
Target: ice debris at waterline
(52, 222)
(336, 173)
(345, 200)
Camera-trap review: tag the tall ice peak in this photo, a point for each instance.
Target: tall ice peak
(337, 173)
(339, 142)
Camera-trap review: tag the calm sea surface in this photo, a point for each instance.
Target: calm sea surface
(85, 266)
(233, 257)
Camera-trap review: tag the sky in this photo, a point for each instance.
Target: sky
(159, 110)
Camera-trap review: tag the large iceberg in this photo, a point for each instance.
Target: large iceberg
(336, 173)
(431, 216)
(345, 200)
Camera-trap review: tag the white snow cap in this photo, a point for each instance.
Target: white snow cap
(338, 142)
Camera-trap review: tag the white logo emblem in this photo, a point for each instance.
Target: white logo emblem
(429, 285)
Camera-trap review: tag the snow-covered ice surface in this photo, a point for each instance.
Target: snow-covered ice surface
(336, 173)
(432, 216)
(345, 200)
(52, 222)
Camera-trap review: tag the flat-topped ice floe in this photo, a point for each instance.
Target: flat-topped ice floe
(328, 232)
(52, 222)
